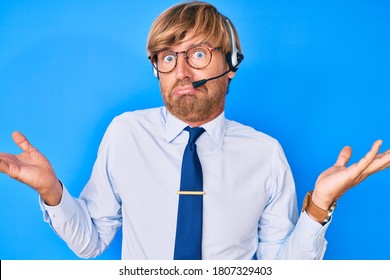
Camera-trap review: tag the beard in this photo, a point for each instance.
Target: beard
(201, 107)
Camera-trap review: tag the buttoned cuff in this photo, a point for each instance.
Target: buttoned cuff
(61, 213)
(311, 235)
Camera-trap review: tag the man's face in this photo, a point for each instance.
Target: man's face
(200, 105)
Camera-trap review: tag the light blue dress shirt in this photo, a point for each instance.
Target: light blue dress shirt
(250, 206)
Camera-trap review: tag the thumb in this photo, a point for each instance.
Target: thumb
(21, 141)
(344, 156)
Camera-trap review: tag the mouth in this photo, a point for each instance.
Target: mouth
(184, 90)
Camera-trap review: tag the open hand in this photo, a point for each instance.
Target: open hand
(32, 168)
(338, 179)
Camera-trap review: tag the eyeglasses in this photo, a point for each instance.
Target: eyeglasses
(197, 57)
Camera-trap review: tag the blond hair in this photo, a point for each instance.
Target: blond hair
(190, 19)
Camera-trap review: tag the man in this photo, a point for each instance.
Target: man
(248, 194)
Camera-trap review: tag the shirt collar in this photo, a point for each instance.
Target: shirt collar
(215, 128)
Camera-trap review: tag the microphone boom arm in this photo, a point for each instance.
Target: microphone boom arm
(199, 83)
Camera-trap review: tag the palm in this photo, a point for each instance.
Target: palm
(334, 181)
(29, 167)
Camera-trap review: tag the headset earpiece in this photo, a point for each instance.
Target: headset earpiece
(155, 72)
(234, 57)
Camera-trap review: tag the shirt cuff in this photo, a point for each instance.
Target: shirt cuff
(61, 213)
(311, 235)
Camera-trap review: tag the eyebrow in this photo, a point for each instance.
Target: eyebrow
(206, 44)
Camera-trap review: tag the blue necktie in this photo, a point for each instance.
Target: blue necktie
(188, 245)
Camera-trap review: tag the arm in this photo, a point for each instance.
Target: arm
(305, 240)
(282, 233)
(69, 217)
(88, 224)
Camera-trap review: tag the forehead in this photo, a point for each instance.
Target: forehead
(189, 42)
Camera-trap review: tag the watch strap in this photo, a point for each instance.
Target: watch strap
(318, 214)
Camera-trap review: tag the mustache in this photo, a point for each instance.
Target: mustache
(184, 82)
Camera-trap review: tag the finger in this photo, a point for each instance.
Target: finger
(370, 156)
(383, 160)
(21, 141)
(344, 156)
(380, 162)
(5, 160)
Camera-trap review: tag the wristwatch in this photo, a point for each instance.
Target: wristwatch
(318, 214)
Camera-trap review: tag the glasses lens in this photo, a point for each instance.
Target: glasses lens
(199, 57)
(166, 61)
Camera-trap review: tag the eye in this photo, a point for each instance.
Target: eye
(169, 58)
(199, 54)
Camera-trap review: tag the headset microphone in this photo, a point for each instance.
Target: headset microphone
(202, 82)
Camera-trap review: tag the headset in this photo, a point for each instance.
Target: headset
(233, 58)
(155, 72)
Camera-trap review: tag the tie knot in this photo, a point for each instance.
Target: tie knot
(195, 132)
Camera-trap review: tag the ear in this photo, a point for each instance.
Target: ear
(231, 74)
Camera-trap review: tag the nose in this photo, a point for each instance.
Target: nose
(183, 70)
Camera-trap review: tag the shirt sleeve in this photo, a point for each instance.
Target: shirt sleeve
(283, 233)
(88, 230)
(307, 241)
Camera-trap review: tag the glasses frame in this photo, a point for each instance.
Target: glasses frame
(176, 54)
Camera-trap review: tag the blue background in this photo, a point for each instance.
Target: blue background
(316, 76)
